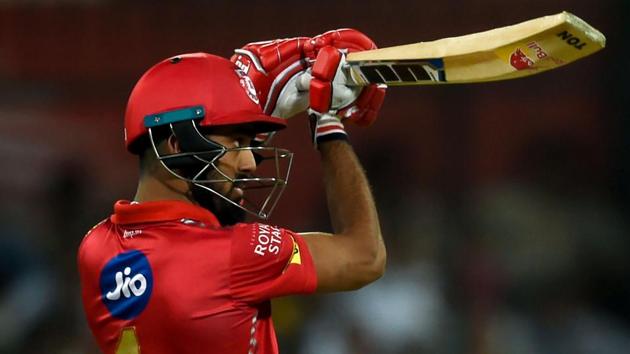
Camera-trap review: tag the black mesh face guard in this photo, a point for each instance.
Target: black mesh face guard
(199, 164)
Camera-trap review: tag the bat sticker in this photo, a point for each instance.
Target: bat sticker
(398, 72)
(520, 61)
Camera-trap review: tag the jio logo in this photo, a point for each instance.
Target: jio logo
(126, 284)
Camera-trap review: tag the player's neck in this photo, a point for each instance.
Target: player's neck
(151, 188)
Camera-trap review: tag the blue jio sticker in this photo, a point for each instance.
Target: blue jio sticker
(126, 284)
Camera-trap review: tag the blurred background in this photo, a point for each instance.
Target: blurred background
(504, 205)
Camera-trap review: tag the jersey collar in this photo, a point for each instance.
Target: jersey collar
(126, 212)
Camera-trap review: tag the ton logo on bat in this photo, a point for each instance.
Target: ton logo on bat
(572, 40)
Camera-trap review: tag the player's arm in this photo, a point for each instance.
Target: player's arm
(354, 255)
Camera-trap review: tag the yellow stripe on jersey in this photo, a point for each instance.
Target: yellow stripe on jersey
(128, 343)
(295, 257)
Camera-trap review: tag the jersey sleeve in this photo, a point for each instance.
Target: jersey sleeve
(268, 262)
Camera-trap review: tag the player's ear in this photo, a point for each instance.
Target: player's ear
(172, 145)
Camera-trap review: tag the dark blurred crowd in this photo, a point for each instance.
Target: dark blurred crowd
(534, 264)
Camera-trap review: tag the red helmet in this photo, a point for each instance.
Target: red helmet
(192, 91)
(191, 86)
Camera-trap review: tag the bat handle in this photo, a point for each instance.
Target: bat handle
(303, 82)
(352, 78)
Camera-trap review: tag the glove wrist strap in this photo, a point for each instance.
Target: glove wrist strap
(326, 127)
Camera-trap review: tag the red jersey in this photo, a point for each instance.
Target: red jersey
(165, 277)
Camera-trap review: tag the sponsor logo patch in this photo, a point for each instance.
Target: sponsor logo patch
(540, 52)
(520, 61)
(268, 240)
(296, 258)
(239, 63)
(131, 233)
(248, 85)
(126, 283)
(572, 40)
(403, 71)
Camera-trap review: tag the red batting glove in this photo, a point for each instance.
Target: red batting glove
(274, 68)
(328, 88)
(281, 72)
(272, 65)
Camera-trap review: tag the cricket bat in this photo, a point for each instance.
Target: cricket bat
(509, 52)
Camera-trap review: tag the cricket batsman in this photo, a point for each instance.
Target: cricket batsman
(177, 270)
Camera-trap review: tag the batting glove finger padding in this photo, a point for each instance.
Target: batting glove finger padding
(345, 38)
(366, 107)
(323, 73)
(329, 89)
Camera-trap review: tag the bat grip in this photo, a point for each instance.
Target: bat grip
(303, 82)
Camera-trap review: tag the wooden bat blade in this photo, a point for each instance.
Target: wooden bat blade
(510, 52)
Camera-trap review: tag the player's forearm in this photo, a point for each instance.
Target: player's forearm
(351, 205)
